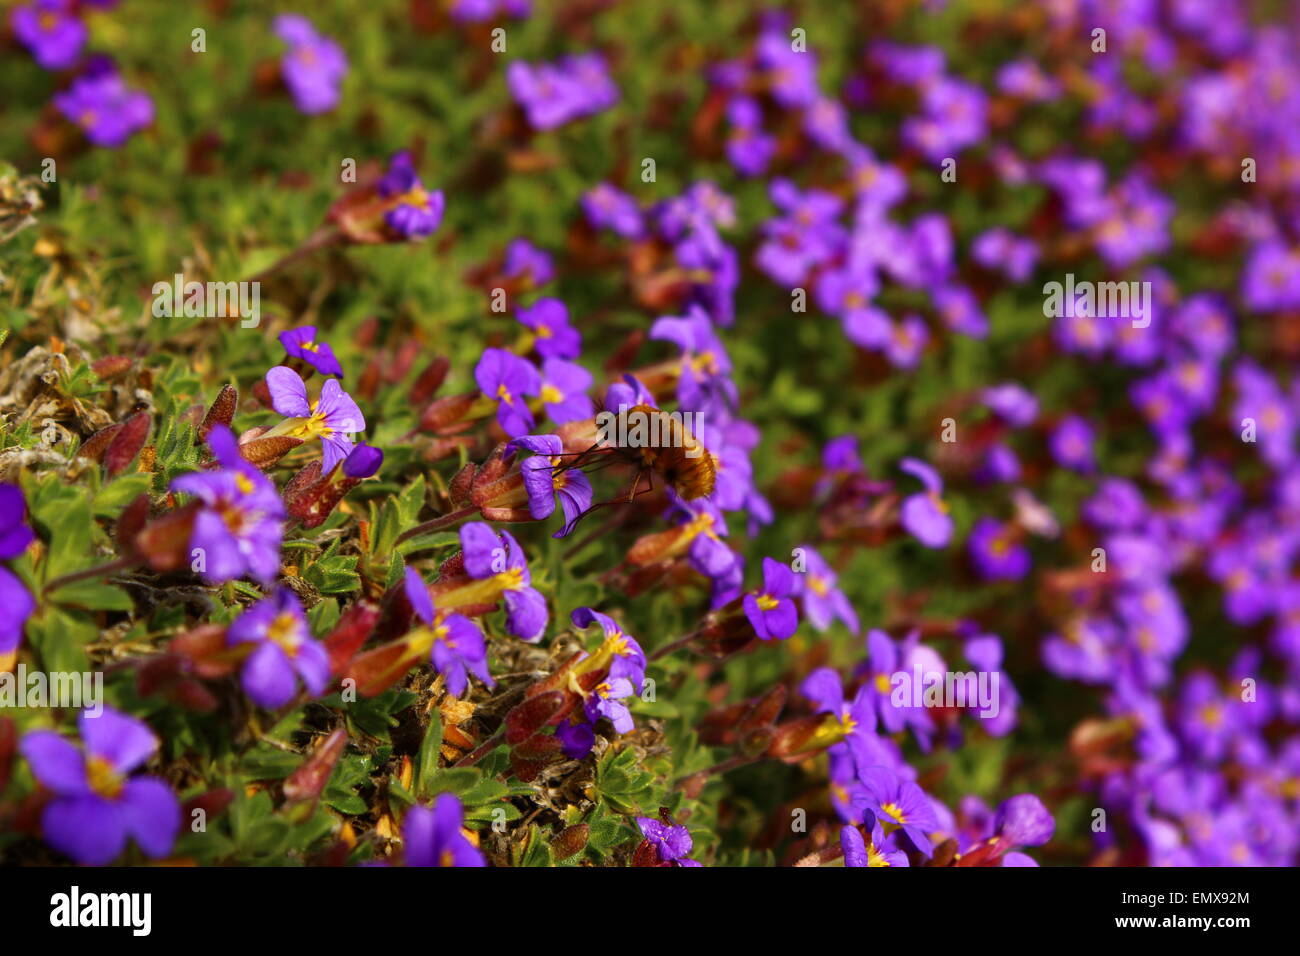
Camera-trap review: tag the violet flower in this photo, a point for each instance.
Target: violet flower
(431, 836)
(314, 66)
(107, 111)
(50, 30)
(414, 211)
(332, 417)
(15, 536)
(507, 379)
(549, 320)
(672, 842)
(286, 650)
(239, 529)
(770, 610)
(301, 343)
(925, 515)
(97, 804)
(459, 648)
(545, 481)
(500, 560)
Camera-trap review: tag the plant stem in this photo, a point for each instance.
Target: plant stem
(669, 648)
(322, 237)
(437, 524)
(99, 571)
(482, 750)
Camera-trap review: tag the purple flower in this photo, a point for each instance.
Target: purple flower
(97, 804)
(576, 739)
(415, 212)
(107, 111)
(770, 610)
(610, 208)
(331, 418)
(672, 842)
(18, 605)
(431, 836)
(300, 343)
(924, 514)
(1013, 403)
(549, 320)
(996, 552)
(881, 851)
(499, 559)
(285, 648)
(705, 383)
(458, 645)
(898, 803)
(545, 480)
(857, 718)
(552, 94)
(15, 535)
(363, 462)
(523, 259)
(606, 700)
(314, 66)
(53, 34)
(239, 530)
(822, 601)
(1071, 444)
(507, 379)
(564, 391)
(629, 661)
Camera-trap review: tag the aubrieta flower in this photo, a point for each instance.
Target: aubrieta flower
(996, 551)
(1013, 403)
(821, 600)
(552, 94)
(332, 417)
(15, 536)
(285, 650)
(704, 383)
(50, 30)
(549, 320)
(881, 851)
(608, 207)
(479, 11)
(314, 66)
(105, 108)
(432, 836)
(564, 391)
(524, 260)
(606, 700)
(576, 739)
(857, 718)
(301, 343)
(239, 529)
(413, 211)
(770, 610)
(97, 804)
(672, 842)
(458, 645)
(545, 481)
(499, 559)
(925, 515)
(1071, 444)
(507, 379)
(901, 804)
(628, 661)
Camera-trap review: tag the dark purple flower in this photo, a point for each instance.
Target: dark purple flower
(314, 66)
(50, 30)
(364, 461)
(285, 649)
(996, 550)
(549, 320)
(576, 739)
(770, 609)
(415, 212)
(1023, 821)
(431, 836)
(672, 842)
(107, 111)
(552, 94)
(507, 379)
(458, 645)
(97, 804)
(301, 343)
(239, 530)
(1071, 444)
(525, 260)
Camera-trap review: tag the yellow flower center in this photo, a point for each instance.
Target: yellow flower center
(766, 602)
(551, 395)
(283, 631)
(103, 778)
